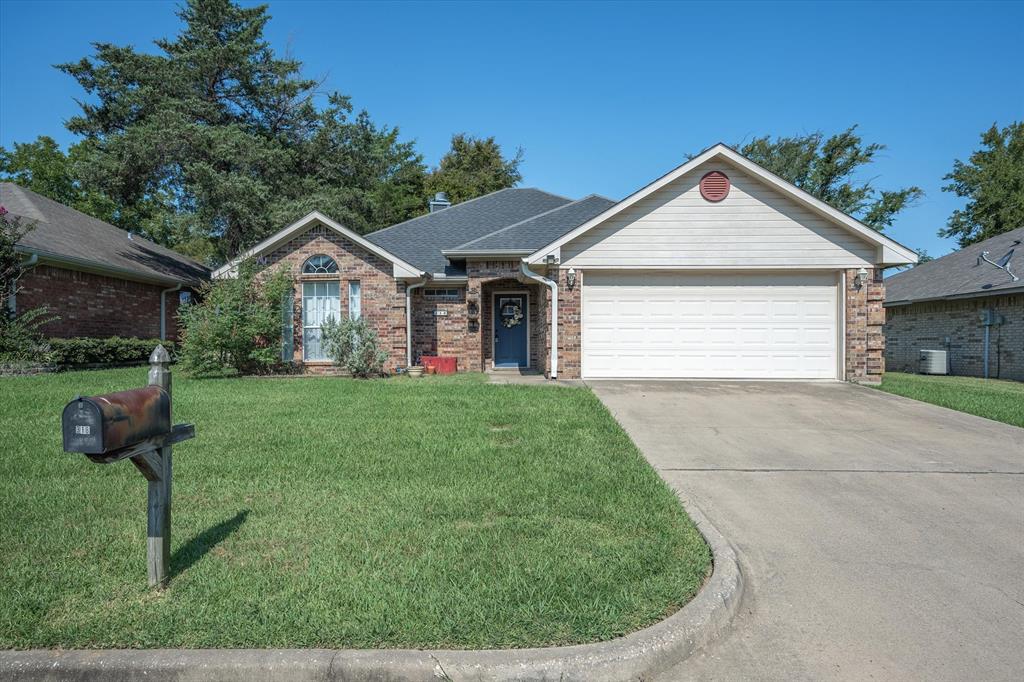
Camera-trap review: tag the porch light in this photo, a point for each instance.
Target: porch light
(570, 277)
(858, 281)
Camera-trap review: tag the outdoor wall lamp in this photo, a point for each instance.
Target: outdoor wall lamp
(570, 277)
(862, 275)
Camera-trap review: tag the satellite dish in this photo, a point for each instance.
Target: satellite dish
(1005, 260)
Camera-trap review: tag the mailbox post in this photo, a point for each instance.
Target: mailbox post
(135, 425)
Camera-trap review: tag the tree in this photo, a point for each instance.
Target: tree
(215, 142)
(44, 168)
(474, 167)
(993, 182)
(826, 168)
(20, 340)
(236, 326)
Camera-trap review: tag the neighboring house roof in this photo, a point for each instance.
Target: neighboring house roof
(422, 240)
(890, 252)
(400, 267)
(68, 237)
(961, 274)
(530, 234)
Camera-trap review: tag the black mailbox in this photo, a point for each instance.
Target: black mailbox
(105, 423)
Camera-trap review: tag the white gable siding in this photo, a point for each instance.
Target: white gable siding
(754, 227)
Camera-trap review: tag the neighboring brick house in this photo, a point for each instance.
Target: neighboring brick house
(948, 303)
(718, 269)
(98, 280)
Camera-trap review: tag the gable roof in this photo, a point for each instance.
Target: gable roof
(961, 274)
(65, 236)
(401, 267)
(890, 252)
(532, 233)
(421, 240)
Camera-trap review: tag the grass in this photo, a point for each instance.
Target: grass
(1002, 401)
(325, 512)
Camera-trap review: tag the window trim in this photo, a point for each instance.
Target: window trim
(315, 284)
(320, 269)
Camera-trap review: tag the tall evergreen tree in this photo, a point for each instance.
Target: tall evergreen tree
(216, 141)
(474, 167)
(992, 180)
(826, 168)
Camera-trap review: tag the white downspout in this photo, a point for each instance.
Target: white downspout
(408, 321)
(12, 301)
(553, 286)
(163, 310)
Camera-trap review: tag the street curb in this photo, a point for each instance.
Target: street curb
(636, 656)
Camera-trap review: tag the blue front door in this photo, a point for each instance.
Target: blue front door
(510, 330)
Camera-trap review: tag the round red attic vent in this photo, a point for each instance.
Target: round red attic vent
(714, 186)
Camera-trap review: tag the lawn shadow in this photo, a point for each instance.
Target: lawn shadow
(200, 545)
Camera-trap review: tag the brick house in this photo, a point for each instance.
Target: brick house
(949, 304)
(100, 281)
(717, 269)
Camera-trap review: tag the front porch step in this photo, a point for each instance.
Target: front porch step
(517, 371)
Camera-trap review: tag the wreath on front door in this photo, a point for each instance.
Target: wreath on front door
(511, 314)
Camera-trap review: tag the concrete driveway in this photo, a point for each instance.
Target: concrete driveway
(880, 537)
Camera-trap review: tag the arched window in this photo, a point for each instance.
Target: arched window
(319, 265)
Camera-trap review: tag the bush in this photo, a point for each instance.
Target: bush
(353, 344)
(237, 324)
(20, 340)
(113, 350)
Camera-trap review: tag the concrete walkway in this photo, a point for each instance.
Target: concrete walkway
(880, 537)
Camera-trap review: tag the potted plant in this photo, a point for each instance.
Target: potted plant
(415, 371)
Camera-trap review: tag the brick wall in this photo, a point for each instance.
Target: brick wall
(439, 335)
(569, 325)
(865, 317)
(382, 296)
(96, 305)
(925, 326)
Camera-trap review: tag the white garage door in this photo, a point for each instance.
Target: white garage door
(675, 325)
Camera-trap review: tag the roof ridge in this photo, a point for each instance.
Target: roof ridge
(526, 220)
(453, 206)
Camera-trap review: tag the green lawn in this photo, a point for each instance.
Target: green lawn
(325, 512)
(999, 400)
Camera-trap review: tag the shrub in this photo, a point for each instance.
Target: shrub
(20, 340)
(113, 350)
(353, 344)
(236, 325)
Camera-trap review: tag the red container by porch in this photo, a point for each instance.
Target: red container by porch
(441, 364)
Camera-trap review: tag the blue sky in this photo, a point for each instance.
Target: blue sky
(605, 97)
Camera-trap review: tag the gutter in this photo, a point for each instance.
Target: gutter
(163, 310)
(553, 286)
(408, 320)
(102, 269)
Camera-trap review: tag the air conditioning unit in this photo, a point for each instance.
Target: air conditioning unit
(934, 362)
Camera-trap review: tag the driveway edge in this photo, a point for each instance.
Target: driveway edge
(638, 655)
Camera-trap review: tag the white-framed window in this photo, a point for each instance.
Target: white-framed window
(442, 294)
(355, 300)
(321, 301)
(319, 265)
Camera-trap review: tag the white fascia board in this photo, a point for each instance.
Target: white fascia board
(900, 254)
(401, 268)
(485, 253)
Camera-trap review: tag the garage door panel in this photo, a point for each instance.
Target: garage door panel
(651, 325)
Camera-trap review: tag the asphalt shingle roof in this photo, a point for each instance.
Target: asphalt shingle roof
(421, 240)
(62, 232)
(961, 274)
(535, 232)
